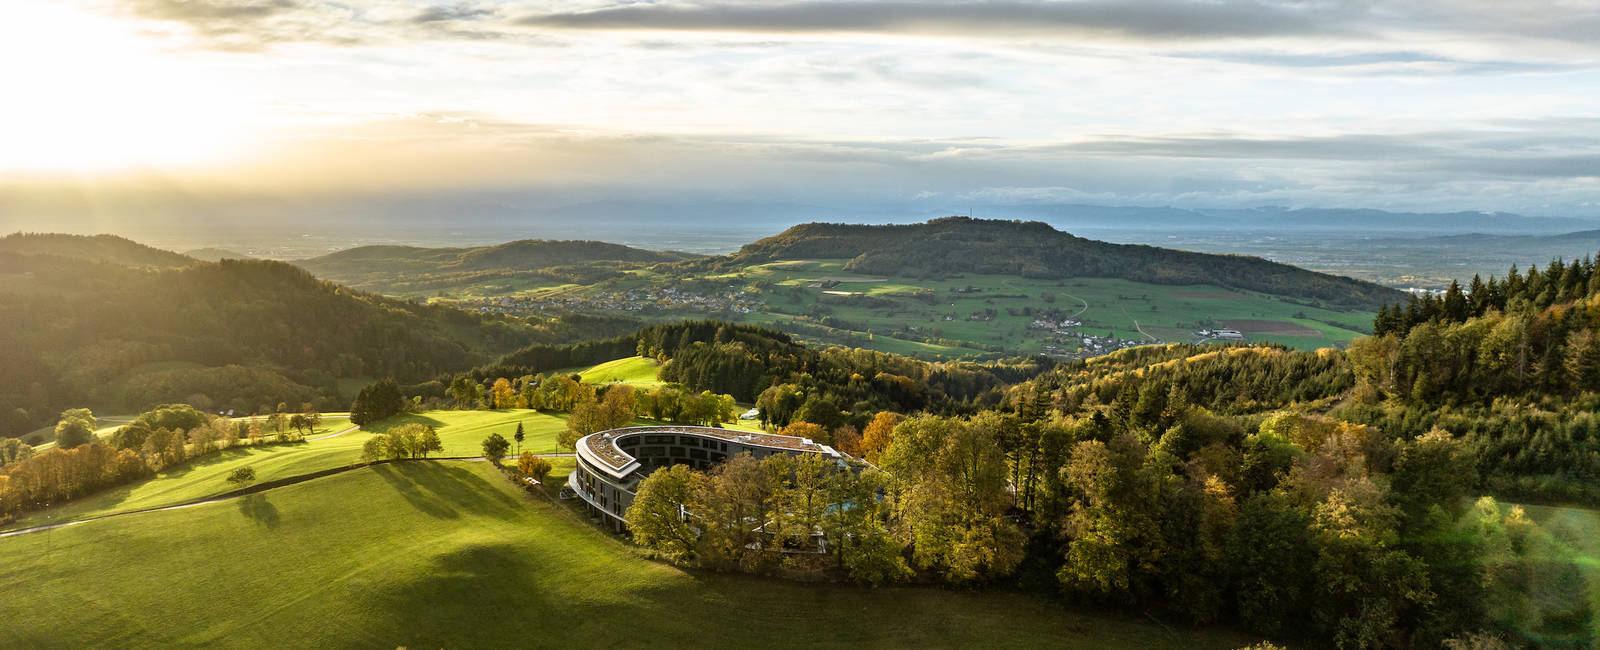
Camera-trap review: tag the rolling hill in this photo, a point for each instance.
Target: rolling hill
(942, 247)
(452, 554)
(408, 270)
(246, 333)
(97, 248)
(216, 254)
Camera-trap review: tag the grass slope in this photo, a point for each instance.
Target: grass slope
(462, 433)
(449, 554)
(637, 371)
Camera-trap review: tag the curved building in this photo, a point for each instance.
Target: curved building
(611, 463)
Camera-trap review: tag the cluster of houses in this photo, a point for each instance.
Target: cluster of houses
(1219, 335)
(654, 299)
(1057, 326)
(1090, 345)
(1065, 334)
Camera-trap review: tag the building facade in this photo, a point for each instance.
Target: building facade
(611, 463)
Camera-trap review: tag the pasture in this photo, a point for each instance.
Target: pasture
(451, 554)
(930, 317)
(461, 432)
(635, 371)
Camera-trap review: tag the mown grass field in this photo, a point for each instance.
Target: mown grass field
(451, 554)
(46, 436)
(462, 433)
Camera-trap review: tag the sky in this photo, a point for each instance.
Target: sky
(120, 112)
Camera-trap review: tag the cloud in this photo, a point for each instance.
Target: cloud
(460, 11)
(1531, 170)
(253, 25)
(1473, 36)
(247, 25)
(1090, 18)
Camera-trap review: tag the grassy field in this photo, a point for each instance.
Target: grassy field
(462, 433)
(637, 371)
(973, 315)
(450, 554)
(46, 436)
(979, 308)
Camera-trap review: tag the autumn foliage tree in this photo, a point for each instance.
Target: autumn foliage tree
(76, 427)
(533, 466)
(878, 434)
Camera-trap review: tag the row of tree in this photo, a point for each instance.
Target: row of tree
(162, 438)
(1560, 282)
(1260, 521)
(411, 440)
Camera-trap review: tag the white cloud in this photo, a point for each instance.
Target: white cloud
(1427, 103)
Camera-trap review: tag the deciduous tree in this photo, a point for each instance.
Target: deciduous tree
(878, 434)
(242, 477)
(495, 447)
(76, 427)
(658, 518)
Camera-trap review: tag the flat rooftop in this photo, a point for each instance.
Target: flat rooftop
(602, 446)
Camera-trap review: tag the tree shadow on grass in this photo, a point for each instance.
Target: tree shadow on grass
(410, 485)
(257, 507)
(446, 488)
(398, 420)
(112, 499)
(468, 582)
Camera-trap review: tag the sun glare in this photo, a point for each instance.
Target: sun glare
(91, 93)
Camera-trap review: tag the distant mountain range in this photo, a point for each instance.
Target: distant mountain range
(1287, 220)
(1587, 241)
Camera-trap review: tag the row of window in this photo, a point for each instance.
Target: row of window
(686, 441)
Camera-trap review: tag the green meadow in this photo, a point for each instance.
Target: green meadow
(636, 371)
(1125, 309)
(452, 554)
(461, 432)
(970, 315)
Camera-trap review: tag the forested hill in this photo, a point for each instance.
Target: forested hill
(226, 334)
(523, 255)
(407, 270)
(787, 379)
(98, 248)
(1034, 249)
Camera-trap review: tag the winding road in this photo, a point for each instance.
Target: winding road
(1136, 327)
